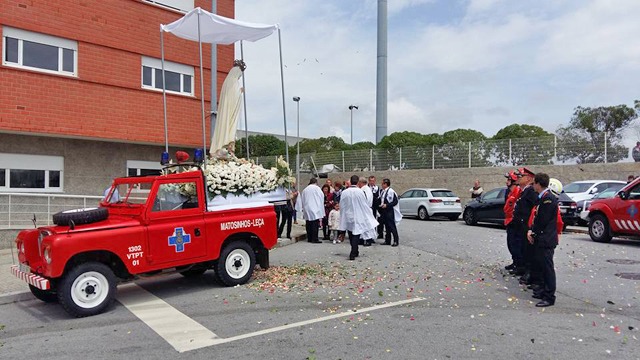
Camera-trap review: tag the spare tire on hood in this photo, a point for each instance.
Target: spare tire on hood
(80, 216)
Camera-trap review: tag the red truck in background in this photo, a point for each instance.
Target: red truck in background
(619, 215)
(145, 225)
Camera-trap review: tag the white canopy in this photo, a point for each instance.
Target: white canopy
(216, 29)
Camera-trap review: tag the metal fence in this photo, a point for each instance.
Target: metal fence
(547, 150)
(18, 209)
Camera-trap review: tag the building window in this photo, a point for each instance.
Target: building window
(178, 5)
(40, 52)
(31, 173)
(178, 77)
(143, 168)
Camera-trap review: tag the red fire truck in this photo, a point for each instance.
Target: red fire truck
(145, 225)
(619, 215)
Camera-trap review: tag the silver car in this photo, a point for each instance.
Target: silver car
(428, 202)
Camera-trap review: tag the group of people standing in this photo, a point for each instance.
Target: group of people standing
(357, 209)
(534, 226)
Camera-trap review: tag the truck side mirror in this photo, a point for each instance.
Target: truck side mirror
(623, 195)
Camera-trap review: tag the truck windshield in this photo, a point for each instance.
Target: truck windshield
(129, 194)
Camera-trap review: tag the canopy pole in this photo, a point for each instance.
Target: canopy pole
(244, 100)
(204, 133)
(284, 109)
(164, 94)
(214, 80)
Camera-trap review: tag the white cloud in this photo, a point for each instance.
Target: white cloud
(483, 66)
(477, 6)
(595, 35)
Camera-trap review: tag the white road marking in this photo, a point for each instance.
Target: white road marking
(185, 334)
(179, 330)
(312, 321)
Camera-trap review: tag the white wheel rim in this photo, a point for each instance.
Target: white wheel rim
(89, 289)
(597, 228)
(237, 263)
(78, 210)
(423, 213)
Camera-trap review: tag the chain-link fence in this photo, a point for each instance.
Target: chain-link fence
(547, 150)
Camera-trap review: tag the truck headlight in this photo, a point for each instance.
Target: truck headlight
(22, 247)
(47, 255)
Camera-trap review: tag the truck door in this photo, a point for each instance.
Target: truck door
(626, 213)
(175, 230)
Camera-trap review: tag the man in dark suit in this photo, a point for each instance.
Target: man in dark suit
(390, 213)
(544, 237)
(377, 191)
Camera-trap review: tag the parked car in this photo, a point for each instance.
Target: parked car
(568, 210)
(583, 190)
(583, 206)
(428, 202)
(489, 207)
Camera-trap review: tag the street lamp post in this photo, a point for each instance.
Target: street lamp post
(351, 107)
(297, 100)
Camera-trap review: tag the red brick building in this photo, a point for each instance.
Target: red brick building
(81, 98)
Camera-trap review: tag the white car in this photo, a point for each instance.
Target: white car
(427, 202)
(582, 190)
(606, 194)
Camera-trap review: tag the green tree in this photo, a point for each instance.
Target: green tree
(323, 144)
(454, 151)
(363, 145)
(260, 145)
(583, 140)
(404, 139)
(534, 145)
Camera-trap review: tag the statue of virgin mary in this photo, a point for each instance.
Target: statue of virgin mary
(224, 133)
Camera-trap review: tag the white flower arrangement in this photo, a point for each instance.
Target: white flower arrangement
(239, 177)
(244, 177)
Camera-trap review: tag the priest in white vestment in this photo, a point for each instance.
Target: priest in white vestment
(367, 237)
(355, 215)
(312, 200)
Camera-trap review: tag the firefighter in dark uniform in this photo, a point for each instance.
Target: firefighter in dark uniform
(527, 200)
(544, 237)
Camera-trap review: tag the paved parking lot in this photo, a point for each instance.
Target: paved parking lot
(440, 294)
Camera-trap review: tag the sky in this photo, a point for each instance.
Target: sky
(452, 64)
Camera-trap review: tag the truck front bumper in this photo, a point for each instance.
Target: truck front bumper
(32, 279)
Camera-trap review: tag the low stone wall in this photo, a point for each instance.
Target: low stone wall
(461, 180)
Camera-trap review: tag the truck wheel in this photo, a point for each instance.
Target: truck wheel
(48, 296)
(599, 229)
(87, 289)
(80, 216)
(236, 263)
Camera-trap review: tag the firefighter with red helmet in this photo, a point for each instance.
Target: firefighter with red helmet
(521, 212)
(515, 242)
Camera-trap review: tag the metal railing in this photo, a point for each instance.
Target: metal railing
(548, 150)
(18, 209)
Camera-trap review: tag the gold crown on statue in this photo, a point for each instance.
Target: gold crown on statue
(240, 64)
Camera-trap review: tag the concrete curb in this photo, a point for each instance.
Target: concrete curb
(577, 230)
(294, 239)
(17, 296)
